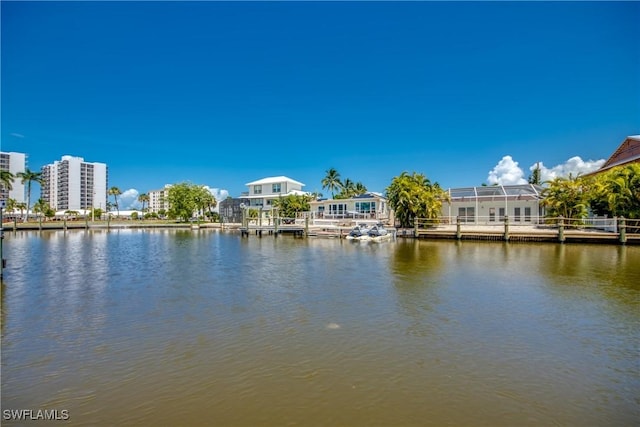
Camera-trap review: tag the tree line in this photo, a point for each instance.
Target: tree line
(615, 192)
(185, 199)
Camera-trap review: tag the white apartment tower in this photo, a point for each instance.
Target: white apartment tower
(14, 163)
(73, 184)
(158, 199)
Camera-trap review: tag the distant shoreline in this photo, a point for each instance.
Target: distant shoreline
(530, 234)
(96, 225)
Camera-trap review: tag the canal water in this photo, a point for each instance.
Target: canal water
(200, 328)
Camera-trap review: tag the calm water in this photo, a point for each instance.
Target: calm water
(205, 328)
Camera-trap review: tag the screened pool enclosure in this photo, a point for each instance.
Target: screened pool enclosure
(488, 204)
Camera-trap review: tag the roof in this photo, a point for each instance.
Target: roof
(275, 196)
(369, 195)
(366, 196)
(627, 152)
(274, 180)
(297, 193)
(500, 191)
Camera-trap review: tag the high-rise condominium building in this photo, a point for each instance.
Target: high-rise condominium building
(14, 163)
(73, 184)
(158, 199)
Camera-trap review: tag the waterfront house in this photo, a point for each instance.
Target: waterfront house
(264, 191)
(369, 205)
(487, 204)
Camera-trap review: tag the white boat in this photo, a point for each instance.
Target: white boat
(362, 233)
(378, 233)
(359, 232)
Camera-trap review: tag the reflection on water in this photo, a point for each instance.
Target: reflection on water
(136, 327)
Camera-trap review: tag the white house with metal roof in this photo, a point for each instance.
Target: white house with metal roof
(263, 191)
(369, 205)
(487, 204)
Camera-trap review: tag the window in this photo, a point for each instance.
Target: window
(337, 208)
(516, 214)
(257, 189)
(501, 214)
(492, 214)
(527, 214)
(363, 207)
(467, 214)
(366, 207)
(275, 188)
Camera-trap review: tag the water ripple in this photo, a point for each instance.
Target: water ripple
(199, 327)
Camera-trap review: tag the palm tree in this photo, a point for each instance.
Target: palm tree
(210, 203)
(203, 199)
(414, 196)
(348, 189)
(115, 192)
(11, 204)
(21, 207)
(359, 188)
(40, 206)
(566, 197)
(289, 206)
(143, 198)
(6, 179)
(617, 191)
(332, 181)
(27, 177)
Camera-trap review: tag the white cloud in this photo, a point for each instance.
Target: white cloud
(219, 194)
(17, 135)
(506, 172)
(129, 199)
(573, 166)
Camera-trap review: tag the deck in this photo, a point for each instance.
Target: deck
(259, 230)
(525, 233)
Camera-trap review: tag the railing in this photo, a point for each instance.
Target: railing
(620, 227)
(344, 215)
(593, 223)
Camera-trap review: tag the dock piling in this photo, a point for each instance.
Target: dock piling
(506, 228)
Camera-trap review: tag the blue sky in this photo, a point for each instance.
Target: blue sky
(222, 93)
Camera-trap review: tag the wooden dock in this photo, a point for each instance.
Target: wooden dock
(337, 232)
(524, 234)
(259, 230)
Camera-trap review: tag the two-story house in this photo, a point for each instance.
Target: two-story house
(263, 191)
